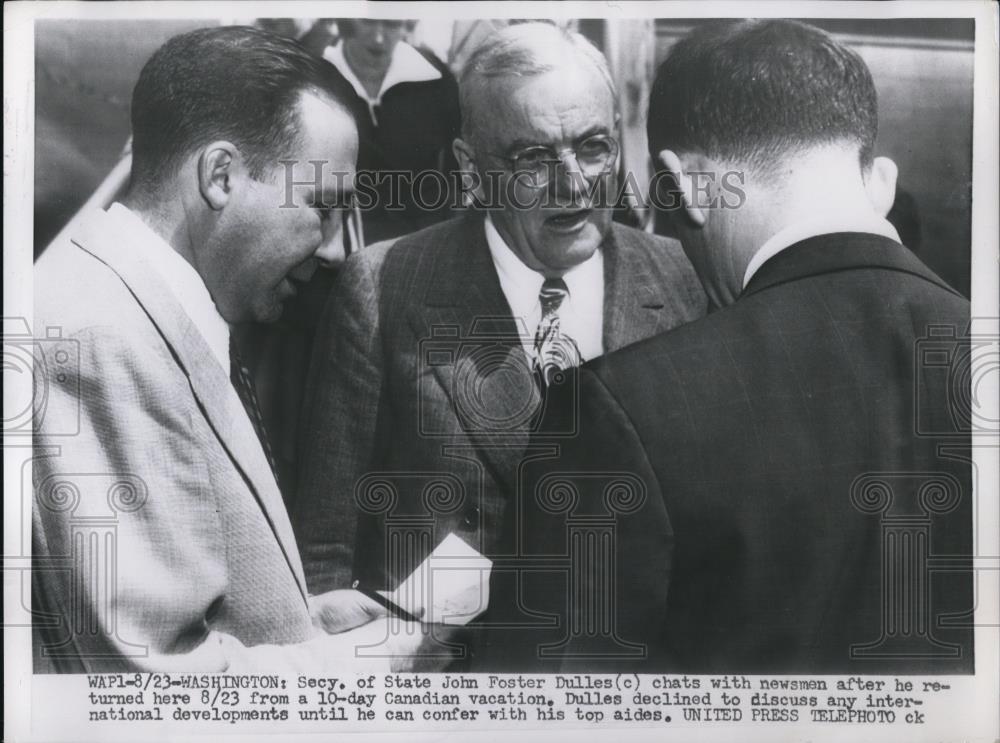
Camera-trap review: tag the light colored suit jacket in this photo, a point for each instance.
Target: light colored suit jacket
(160, 538)
(420, 400)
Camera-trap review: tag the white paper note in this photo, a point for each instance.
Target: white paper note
(451, 586)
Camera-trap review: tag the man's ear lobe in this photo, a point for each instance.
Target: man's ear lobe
(673, 164)
(466, 157)
(216, 169)
(881, 185)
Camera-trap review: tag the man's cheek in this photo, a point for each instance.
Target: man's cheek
(530, 220)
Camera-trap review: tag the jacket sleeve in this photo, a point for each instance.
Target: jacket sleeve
(127, 539)
(339, 418)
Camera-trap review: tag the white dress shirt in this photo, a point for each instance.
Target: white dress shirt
(181, 279)
(806, 228)
(581, 314)
(406, 66)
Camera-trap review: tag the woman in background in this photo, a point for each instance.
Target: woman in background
(407, 107)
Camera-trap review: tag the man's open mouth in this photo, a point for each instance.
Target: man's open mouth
(568, 220)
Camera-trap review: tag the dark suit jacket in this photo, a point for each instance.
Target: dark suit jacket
(420, 400)
(776, 475)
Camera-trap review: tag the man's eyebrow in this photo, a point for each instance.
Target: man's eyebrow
(594, 130)
(520, 143)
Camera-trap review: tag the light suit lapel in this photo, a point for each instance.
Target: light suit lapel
(209, 382)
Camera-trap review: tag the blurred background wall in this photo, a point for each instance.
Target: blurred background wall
(923, 69)
(84, 75)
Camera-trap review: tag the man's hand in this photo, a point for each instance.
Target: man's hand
(343, 609)
(420, 647)
(371, 633)
(386, 644)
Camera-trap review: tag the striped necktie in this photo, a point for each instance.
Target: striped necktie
(554, 351)
(239, 375)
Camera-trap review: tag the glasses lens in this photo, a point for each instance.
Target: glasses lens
(540, 164)
(595, 154)
(536, 163)
(534, 159)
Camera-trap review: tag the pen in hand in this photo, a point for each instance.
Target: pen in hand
(392, 607)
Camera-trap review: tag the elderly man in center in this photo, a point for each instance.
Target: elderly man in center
(435, 351)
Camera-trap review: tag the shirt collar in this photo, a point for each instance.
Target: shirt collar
(803, 229)
(181, 279)
(522, 285)
(406, 66)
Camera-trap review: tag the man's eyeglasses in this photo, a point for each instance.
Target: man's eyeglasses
(594, 156)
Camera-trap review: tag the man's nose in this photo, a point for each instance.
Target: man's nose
(569, 178)
(331, 252)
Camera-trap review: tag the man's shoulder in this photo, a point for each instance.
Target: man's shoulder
(659, 265)
(659, 255)
(442, 236)
(79, 294)
(631, 238)
(409, 256)
(677, 346)
(74, 287)
(757, 325)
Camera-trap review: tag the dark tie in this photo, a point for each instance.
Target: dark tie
(554, 351)
(239, 375)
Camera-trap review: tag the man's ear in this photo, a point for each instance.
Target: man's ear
(881, 184)
(616, 131)
(217, 166)
(465, 154)
(673, 164)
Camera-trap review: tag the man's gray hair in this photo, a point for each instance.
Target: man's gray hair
(525, 50)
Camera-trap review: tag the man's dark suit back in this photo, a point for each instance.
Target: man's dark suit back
(788, 438)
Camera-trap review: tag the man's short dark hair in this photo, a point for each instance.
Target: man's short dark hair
(752, 91)
(235, 83)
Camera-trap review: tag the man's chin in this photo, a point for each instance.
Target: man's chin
(270, 313)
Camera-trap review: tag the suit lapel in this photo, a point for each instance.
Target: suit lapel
(488, 381)
(634, 302)
(209, 382)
